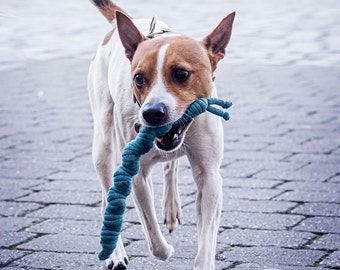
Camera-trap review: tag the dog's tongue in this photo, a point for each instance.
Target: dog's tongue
(168, 138)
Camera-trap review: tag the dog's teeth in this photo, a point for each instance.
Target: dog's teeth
(175, 136)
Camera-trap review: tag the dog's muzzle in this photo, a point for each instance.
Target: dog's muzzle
(155, 114)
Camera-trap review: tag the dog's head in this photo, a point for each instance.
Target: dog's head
(170, 72)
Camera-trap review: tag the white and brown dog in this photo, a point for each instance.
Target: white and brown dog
(152, 75)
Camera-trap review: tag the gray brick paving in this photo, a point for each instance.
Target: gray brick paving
(281, 207)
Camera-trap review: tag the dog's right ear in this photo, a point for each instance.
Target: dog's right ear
(218, 39)
(129, 34)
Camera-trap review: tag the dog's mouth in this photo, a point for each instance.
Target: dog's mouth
(174, 138)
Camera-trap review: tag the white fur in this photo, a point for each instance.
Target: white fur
(159, 93)
(114, 114)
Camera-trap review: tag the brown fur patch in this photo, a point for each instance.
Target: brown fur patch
(182, 53)
(189, 54)
(108, 9)
(145, 63)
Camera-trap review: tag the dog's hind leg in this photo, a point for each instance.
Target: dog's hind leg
(143, 198)
(103, 161)
(171, 200)
(102, 156)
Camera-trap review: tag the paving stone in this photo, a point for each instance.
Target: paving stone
(325, 187)
(310, 173)
(333, 260)
(335, 179)
(259, 221)
(7, 256)
(55, 260)
(249, 193)
(253, 155)
(318, 209)
(253, 266)
(326, 242)
(17, 209)
(13, 194)
(132, 217)
(63, 243)
(64, 197)
(15, 268)
(61, 211)
(242, 169)
(256, 206)
(222, 264)
(133, 232)
(11, 239)
(246, 237)
(78, 175)
(153, 264)
(273, 257)
(72, 185)
(138, 249)
(249, 183)
(320, 225)
(24, 184)
(78, 227)
(14, 224)
(319, 158)
(310, 196)
(27, 173)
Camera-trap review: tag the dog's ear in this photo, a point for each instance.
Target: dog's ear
(218, 39)
(129, 34)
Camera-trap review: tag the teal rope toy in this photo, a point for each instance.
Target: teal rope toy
(122, 178)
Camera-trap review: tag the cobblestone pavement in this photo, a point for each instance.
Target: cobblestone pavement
(282, 149)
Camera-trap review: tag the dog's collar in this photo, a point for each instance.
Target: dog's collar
(135, 100)
(152, 34)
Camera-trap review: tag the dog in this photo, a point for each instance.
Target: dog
(144, 73)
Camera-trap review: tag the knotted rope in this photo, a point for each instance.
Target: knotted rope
(122, 178)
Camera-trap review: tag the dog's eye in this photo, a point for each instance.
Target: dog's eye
(181, 75)
(139, 80)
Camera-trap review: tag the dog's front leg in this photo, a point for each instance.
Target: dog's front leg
(205, 157)
(143, 198)
(208, 209)
(171, 200)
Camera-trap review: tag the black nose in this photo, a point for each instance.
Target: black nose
(154, 113)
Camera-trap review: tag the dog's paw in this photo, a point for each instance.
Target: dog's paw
(120, 264)
(172, 217)
(163, 253)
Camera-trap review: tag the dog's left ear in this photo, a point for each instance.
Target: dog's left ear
(129, 34)
(218, 39)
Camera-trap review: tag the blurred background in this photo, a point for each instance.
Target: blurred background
(305, 32)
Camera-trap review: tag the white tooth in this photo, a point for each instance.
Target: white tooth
(159, 140)
(175, 136)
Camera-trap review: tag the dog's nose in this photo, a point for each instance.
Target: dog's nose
(154, 113)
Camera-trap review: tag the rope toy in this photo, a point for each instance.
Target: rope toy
(122, 178)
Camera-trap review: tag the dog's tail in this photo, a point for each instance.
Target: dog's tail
(108, 9)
